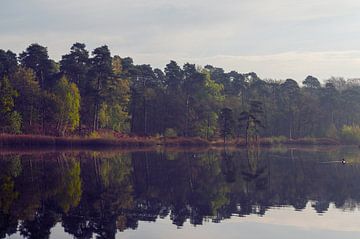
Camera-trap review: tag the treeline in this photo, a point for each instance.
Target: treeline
(85, 92)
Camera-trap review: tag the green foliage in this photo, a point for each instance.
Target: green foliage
(76, 65)
(29, 100)
(113, 190)
(114, 117)
(351, 134)
(36, 58)
(332, 132)
(311, 82)
(10, 120)
(8, 94)
(8, 193)
(73, 101)
(68, 96)
(251, 122)
(118, 95)
(226, 123)
(100, 72)
(69, 192)
(94, 135)
(278, 139)
(8, 63)
(15, 121)
(169, 132)
(207, 128)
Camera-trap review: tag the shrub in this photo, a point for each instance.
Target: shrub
(15, 122)
(94, 135)
(170, 132)
(274, 140)
(279, 139)
(332, 132)
(350, 134)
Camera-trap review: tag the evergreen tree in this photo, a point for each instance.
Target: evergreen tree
(226, 123)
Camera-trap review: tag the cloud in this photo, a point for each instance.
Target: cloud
(276, 38)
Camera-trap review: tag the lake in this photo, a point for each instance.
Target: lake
(257, 193)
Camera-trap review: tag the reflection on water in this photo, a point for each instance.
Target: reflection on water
(105, 193)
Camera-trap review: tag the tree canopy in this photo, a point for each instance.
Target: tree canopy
(93, 90)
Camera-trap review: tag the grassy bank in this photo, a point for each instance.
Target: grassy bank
(8, 140)
(300, 141)
(273, 141)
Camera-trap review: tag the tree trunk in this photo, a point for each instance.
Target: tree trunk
(225, 126)
(145, 115)
(96, 106)
(247, 132)
(187, 116)
(208, 127)
(95, 116)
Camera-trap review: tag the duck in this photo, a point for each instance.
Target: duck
(343, 161)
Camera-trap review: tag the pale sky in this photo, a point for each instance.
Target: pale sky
(274, 38)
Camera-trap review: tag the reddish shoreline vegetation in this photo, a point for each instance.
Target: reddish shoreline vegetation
(14, 141)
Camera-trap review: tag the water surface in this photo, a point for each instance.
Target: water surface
(264, 193)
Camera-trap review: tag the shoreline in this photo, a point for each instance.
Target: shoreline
(42, 141)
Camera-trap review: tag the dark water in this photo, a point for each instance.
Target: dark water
(268, 193)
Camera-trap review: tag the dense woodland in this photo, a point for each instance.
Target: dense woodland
(86, 92)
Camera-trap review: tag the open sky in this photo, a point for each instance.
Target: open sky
(274, 38)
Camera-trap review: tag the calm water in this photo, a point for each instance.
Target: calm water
(267, 193)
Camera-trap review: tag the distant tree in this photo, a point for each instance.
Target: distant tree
(226, 120)
(114, 118)
(29, 98)
(251, 121)
(144, 86)
(290, 95)
(36, 58)
(76, 65)
(119, 95)
(309, 109)
(173, 104)
(101, 72)
(8, 63)
(311, 82)
(50, 104)
(174, 76)
(10, 120)
(68, 115)
(330, 102)
(338, 82)
(127, 64)
(113, 111)
(207, 104)
(350, 109)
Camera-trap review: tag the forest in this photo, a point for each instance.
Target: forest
(90, 91)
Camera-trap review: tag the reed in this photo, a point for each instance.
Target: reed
(7, 140)
(185, 141)
(17, 141)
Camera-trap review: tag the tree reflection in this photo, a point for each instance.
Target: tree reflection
(103, 193)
